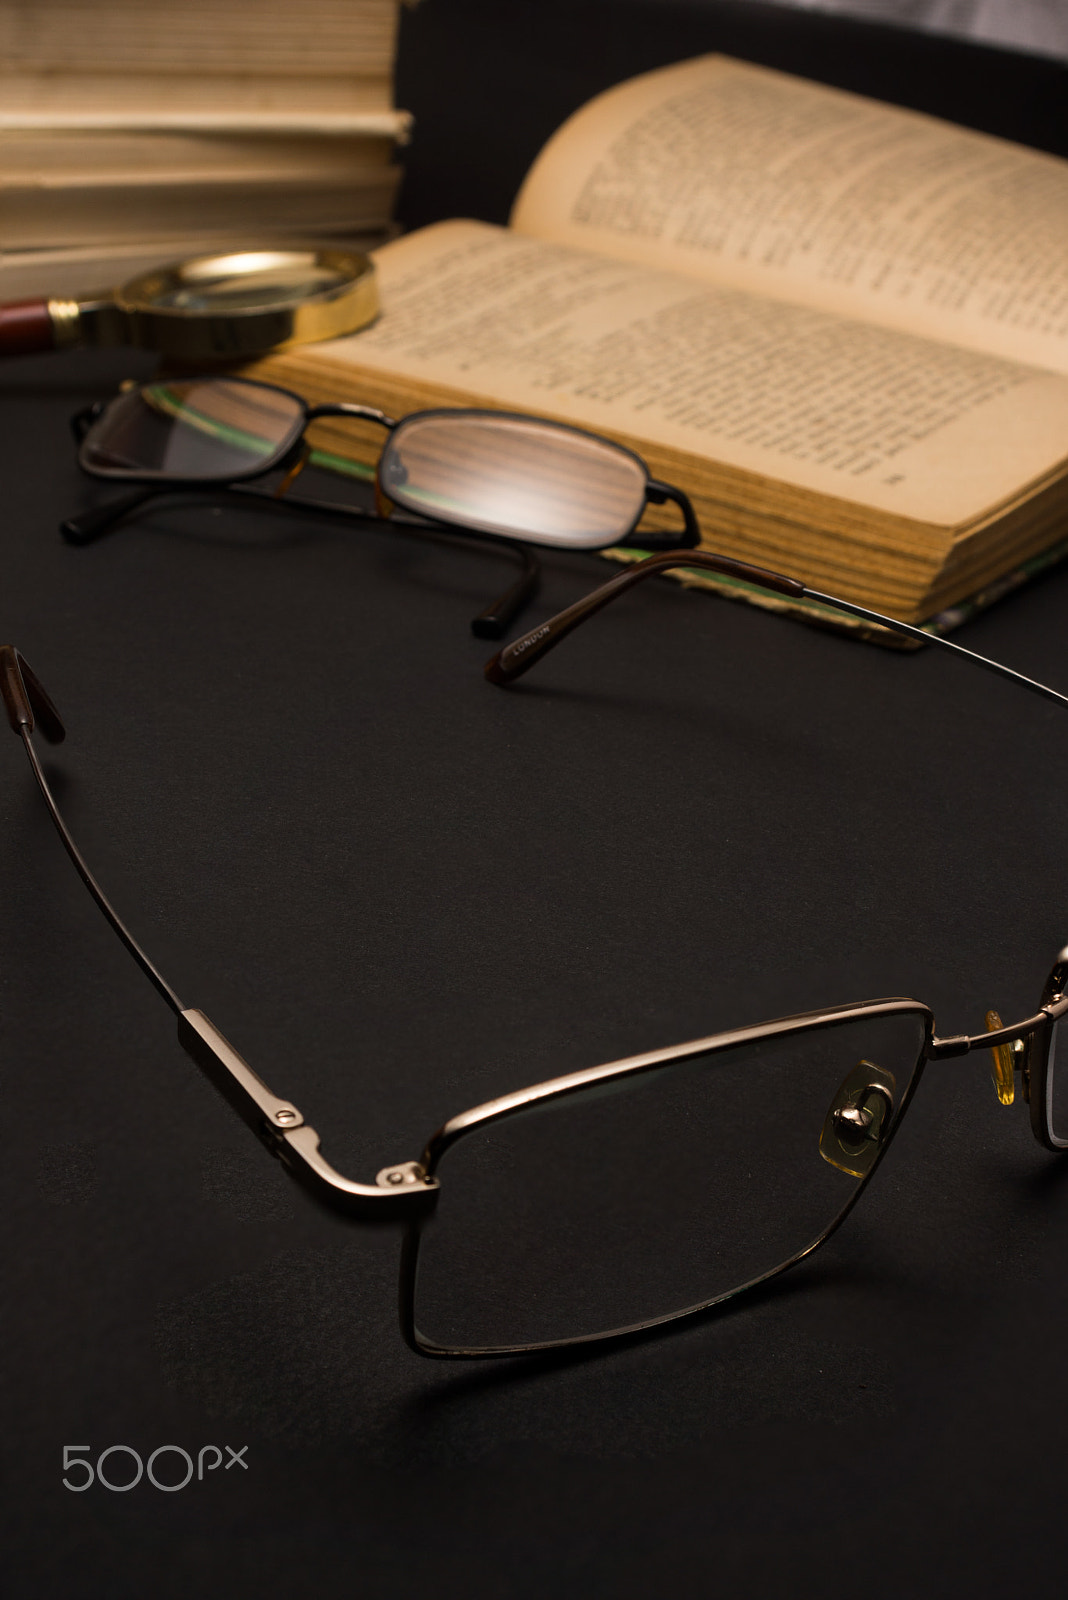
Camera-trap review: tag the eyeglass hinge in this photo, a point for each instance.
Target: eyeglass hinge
(958, 1044)
(400, 1188)
(401, 1176)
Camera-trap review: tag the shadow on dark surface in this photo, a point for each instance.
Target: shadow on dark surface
(437, 1412)
(76, 375)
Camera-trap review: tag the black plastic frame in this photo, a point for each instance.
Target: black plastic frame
(656, 492)
(77, 530)
(492, 622)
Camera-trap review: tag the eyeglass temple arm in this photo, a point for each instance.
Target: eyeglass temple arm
(85, 526)
(519, 656)
(494, 621)
(29, 707)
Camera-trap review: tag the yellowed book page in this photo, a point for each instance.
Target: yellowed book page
(39, 215)
(64, 157)
(93, 269)
(739, 175)
(326, 37)
(200, 102)
(862, 413)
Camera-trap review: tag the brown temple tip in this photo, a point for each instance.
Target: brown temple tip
(514, 659)
(26, 701)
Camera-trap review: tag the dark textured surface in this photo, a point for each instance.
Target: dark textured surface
(399, 891)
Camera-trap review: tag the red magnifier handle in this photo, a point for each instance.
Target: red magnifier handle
(26, 326)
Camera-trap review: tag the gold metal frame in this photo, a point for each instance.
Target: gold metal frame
(555, 1089)
(409, 1189)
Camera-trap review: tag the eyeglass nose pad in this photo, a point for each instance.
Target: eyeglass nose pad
(858, 1119)
(1005, 1059)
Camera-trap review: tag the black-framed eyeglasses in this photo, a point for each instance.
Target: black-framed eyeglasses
(626, 1196)
(496, 475)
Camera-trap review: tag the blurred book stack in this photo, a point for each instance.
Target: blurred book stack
(134, 132)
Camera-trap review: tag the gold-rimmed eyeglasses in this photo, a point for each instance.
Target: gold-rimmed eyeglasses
(642, 1190)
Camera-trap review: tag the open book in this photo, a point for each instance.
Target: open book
(841, 327)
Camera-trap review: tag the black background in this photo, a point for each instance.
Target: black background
(399, 891)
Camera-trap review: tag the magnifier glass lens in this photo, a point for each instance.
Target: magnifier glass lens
(285, 284)
(210, 430)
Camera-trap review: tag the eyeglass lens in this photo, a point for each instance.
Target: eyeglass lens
(639, 1199)
(212, 430)
(513, 476)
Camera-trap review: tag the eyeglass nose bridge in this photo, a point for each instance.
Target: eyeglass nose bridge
(347, 408)
(858, 1119)
(659, 494)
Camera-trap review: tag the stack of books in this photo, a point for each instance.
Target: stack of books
(133, 133)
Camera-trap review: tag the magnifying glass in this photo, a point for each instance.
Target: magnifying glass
(223, 307)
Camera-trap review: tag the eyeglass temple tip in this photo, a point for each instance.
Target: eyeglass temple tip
(517, 657)
(26, 701)
(86, 526)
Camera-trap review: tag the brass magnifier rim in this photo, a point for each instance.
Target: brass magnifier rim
(227, 307)
(170, 309)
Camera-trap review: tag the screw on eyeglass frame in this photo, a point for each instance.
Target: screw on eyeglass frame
(503, 479)
(410, 1188)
